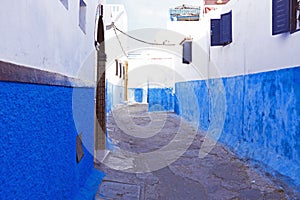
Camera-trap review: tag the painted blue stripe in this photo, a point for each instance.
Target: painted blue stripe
(262, 119)
(38, 141)
(114, 96)
(160, 99)
(138, 95)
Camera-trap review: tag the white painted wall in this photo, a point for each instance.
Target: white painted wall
(115, 13)
(46, 35)
(153, 67)
(253, 49)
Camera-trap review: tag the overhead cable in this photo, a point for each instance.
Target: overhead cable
(139, 40)
(120, 42)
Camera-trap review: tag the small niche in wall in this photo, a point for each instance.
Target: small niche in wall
(79, 149)
(65, 3)
(82, 15)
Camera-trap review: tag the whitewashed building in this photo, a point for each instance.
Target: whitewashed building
(47, 99)
(245, 75)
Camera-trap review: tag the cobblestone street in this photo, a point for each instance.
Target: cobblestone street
(219, 175)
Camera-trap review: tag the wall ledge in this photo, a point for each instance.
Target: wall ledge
(10, 72)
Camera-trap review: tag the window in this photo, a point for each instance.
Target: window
(123, 72)
(82, 15)
(295, 15)
(221, 30)
(65, 3)
(215, 32)
(117, 66)
(187, 52)
(226, 28)
(120, 71)
(286, 16)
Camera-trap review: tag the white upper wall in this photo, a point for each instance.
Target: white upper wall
(115, 13)
(46, 35)
(152, 67)
(253, 49)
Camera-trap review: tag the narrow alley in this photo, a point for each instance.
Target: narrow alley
(219, 175)
(150, 100)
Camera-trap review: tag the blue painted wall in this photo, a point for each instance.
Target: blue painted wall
(38, 141)
(185, 104)
(138, 95)
(262, 118)
(160, 99)
(109, 96)
(114, 96)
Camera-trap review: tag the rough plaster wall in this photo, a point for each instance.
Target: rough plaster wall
(262, 104)
(138, 95)
(114, 96)
(262, 117)
(45, 35)
(253, 49)
(185, 105)
(160, 99)
(38, 142)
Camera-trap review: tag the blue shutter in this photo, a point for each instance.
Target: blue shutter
(215, 32)
(226, 28)
(280, 16)
(187, 52)
(82, 3)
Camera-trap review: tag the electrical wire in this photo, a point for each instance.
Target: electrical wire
(124, 52)
(142, 41)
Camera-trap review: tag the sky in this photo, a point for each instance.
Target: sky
(149, 13)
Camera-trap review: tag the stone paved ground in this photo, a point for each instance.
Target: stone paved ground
(219, 175)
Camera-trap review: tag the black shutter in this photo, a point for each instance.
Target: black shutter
(123, 72)
(293, 16)
(187, 52)
(82, 3)
(117, 66)
(226, 28)
(120, 71)
(280, 16)
(215, 32)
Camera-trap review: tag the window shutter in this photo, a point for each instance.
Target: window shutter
(226, 28)
(294, 16)
(215, 32)
(120, 71)
(123, 72)
(280, 16)
(117, 66)
(187, 52)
